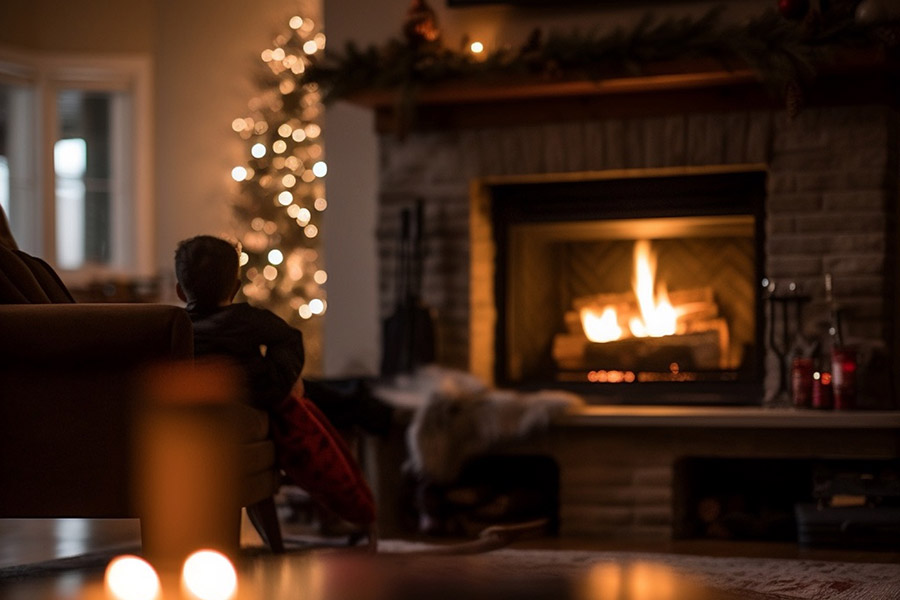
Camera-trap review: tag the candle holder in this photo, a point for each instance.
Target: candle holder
(788, 310)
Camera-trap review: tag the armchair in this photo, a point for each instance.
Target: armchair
(68, 394)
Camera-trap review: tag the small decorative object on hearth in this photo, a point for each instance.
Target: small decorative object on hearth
(785, 323)
(802, 382)
(822, 395)
(843, 358)
(420, 26)
(843, 371)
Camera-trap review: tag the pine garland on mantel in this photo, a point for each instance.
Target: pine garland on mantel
(784, 54)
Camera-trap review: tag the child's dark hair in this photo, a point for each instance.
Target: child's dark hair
(207, 269)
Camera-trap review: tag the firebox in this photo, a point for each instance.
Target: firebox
(632, 287)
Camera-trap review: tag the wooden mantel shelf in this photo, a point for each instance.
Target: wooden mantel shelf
(730, 417)
(664, 88)
(518, 89)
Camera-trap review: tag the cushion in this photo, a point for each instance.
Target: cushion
(19, 283)
(25, 279)
(47, 278)
(313, 456)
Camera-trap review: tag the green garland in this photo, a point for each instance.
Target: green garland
(784, 54)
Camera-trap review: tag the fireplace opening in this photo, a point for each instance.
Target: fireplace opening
(632, 289)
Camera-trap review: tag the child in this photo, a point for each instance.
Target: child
(270, 352)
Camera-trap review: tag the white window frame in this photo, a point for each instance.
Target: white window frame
(133, 228)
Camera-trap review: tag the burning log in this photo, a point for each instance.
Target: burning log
(701, 339)
(700, 350)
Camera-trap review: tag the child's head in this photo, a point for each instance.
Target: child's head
(207, 270)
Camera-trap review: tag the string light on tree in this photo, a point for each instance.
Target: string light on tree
(282, 190)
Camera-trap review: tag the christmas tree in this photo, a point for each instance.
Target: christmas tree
(282, 191)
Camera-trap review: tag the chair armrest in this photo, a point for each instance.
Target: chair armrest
(71, 335)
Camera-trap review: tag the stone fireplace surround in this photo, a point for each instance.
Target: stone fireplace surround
(832, 176)
(831, 207)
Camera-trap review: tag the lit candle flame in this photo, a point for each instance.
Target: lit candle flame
(131, 578)
(209, 575)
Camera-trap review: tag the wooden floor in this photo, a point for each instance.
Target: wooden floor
(24, 542)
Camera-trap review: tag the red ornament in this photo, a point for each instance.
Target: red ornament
(793, 9)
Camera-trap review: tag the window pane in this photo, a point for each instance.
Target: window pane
(17, 175)
(4, 184)
(84, 178)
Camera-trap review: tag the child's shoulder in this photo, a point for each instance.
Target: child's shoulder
(248, 311)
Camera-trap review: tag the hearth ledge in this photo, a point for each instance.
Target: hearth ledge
(736, 417)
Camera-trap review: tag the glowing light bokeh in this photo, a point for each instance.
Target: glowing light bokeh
(285, 173)
(239, 173)
(209, 575)
(312, 130)
(477, 47)
(131, 578)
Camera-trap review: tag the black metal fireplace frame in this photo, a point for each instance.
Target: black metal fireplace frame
(634, 196)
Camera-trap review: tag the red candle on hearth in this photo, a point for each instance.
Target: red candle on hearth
(802, 382)
(822, 396)
(843, 369)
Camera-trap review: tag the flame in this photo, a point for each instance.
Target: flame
(604, 328)
(658, 317)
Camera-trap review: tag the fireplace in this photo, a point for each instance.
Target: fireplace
(636, 287)
(814, 194)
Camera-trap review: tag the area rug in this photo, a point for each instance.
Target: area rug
(752, 577)
(748, 578)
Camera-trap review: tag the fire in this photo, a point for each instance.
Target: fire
(604, 328)
(657, 315)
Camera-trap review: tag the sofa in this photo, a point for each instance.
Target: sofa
(70, 400)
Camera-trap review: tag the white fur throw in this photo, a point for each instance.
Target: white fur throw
(456, 416)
